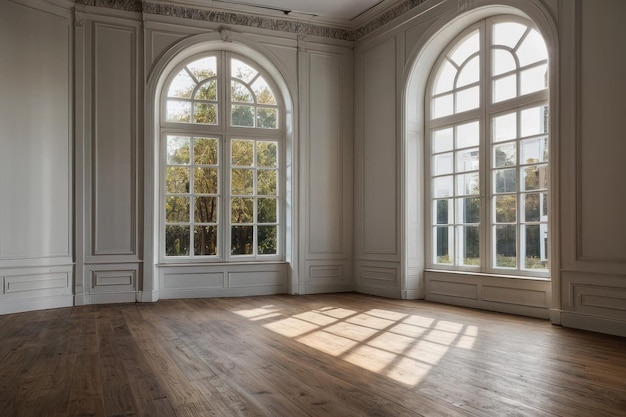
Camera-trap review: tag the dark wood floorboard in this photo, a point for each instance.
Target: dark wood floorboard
(345, 355)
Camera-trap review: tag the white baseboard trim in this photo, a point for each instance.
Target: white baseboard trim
(42, 303)
(221, 292)
(520, 310)
(593, 323)
(328, 288)
(396, 293)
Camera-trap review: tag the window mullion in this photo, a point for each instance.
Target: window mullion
(485, 155)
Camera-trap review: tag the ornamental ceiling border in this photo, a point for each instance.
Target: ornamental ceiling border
(240, 19)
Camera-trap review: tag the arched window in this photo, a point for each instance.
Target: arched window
(487, 146)
(222, 181)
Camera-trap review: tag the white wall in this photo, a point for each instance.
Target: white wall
(35, 157)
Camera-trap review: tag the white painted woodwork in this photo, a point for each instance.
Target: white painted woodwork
(602, 144)
(377, 229)
(35, 157)
(326, 157)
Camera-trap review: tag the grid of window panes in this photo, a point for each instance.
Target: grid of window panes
(456, 194)
(191, 196)
(512, 104)
(192, 96)
(220, 190)
(254, 197)
(253, 103)
(520, 188)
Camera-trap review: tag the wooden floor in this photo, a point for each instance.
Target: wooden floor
(323, 355)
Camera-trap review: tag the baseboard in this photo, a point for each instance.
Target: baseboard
(42, 303)
(593, 323)
(396, 293)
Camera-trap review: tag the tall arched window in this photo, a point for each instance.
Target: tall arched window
(222, 180)
(487, 145)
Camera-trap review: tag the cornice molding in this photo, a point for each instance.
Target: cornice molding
(261, 22)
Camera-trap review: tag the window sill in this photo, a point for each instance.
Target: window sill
(487, 275)
(220, 263)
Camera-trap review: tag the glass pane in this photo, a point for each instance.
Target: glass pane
(468, 239)
(467, 184)
(535, 243)
(534, 150)
(267, 212)
(242, 71)
(442, 211)
(242, 152)
(241, 239)
(266, 118)
(266, 182)
(504, 155)
(177, 240)
(182, 85)
(242, 210)
(267, 240)
(207, 91)
(506, 250)
(176, 209)
(532, 207)
(508, 33)
(467, 135)
(205, 113)
(205, 240)
(177, 180)
(178, 150)
(468, 210)
(203, 68)
(544, 205)
(442, 187)
(445, 78)
(205, 180)
(442, 164)
(470, 73)
(266, 154)
(506, 208)
(205, 151)
(441, 244)
(503, 61)
(442, 140)
(443, 106)
(504, 127)
(535, 177)
(470, 45)
(467, 99)
(242, 181)
(240, 93)
(534, 121)
(242, 116)
(178, 111)
(505, 180)
(263, 92)
(205, 210)
(505, 88)
(467, 160)
(533, 49)
(534, 79)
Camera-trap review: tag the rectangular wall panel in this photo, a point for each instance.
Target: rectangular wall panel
(603, 195)
(35, 134)
(325, 157)
(378, 165)
(114, 167)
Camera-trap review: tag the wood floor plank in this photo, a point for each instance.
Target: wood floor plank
(347, 355)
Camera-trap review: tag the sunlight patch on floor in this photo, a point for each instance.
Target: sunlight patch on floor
(400, 346)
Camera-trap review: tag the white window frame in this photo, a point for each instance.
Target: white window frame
(224, 132)
(484, 113)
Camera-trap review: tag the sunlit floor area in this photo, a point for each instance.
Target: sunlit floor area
(321, 355)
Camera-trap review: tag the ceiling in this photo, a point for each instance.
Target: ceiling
(347, 13)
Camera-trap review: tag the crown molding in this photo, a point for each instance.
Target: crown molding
(261, 21)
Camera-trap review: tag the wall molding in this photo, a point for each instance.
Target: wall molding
(256, 21)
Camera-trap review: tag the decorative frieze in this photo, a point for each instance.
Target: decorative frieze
(231, 18)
